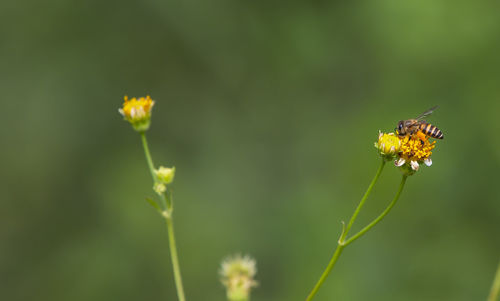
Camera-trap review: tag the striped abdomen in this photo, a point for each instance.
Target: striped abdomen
(431, 130)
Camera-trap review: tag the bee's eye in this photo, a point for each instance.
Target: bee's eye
(400, 127)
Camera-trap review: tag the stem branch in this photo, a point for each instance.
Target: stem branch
(381, 216)
(362, 202)
(341, 245)
(167, 207)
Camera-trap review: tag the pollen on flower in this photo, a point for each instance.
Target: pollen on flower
(414, 150)
(137, 112)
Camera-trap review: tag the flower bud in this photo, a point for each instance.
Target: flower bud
(388, 145)
(159, 188)
(165, 175)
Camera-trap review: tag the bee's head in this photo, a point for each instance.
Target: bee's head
(400, 129)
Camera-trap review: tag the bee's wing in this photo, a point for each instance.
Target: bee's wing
(411, 122)
(426, 113)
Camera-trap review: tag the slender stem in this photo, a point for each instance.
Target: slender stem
(381, 216)
(325, 274)
(495, 287)
(148, 156)
(167, 207)
(341, 245)
(164, 201)
(362, 202)
(175, 259)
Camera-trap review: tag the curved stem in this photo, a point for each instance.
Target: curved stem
(167, 207)
(164, 201)
(495, 287)
(362, 202)
(341, 245)
(381, 216)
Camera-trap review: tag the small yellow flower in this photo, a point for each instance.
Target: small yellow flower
(165, 175)
(388, 145)
(237, 274)
(137, 112)
(414, 150)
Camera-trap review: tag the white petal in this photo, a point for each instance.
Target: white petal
(414, 165)
(121, 111)
(393, 149)
(399, 162)
(379, 134)
(428, 162)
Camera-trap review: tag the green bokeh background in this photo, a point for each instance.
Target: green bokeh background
(269, 111)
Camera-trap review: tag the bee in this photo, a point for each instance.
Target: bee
(411, 126)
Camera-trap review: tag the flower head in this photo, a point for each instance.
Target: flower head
(237, 275)
(165, 175)
(388, 145)
(137, 112)
(415, 149)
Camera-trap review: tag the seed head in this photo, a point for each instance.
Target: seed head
(237, 275)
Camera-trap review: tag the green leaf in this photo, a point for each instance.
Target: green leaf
(154, 204)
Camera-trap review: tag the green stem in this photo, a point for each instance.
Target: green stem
(175, 259)
(341, 245)
(362, 202)
(167, 207)
(148, 156)
(325, 274)
(165, 202)
(381, 216)
(495, 287)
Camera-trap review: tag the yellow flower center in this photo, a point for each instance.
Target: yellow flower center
(137, 109)
(416, 147)
(388, 144)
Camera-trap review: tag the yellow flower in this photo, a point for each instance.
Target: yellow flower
(237, 275)
(388, 145)
(138, 112)
(414, 150)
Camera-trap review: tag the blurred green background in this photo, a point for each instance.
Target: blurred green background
(269, 111)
